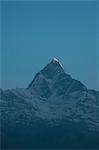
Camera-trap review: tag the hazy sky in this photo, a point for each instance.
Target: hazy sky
(35, 32)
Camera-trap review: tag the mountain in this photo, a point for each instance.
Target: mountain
(54, 111)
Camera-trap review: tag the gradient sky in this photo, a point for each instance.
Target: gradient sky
(35, 32)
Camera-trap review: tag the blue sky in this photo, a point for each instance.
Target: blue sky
(34, 32)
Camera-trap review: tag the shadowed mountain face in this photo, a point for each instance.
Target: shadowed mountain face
(54, 111)
(53, 80)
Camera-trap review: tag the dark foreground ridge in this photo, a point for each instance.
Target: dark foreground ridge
(54, 111)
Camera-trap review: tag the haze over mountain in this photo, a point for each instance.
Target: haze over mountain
(54, 111)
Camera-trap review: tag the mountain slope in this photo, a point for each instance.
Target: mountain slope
(54, 111)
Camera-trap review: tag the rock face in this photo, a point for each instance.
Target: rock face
(53, 80)
(54, 111)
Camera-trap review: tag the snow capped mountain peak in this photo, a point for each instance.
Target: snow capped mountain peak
(52, 80)
(52, 69)
(55, 60)
(43, 82)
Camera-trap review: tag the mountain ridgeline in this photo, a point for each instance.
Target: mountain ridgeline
(52, 79)
(54, 111)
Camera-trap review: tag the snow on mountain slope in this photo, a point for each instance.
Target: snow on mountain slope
(57, 96)
(53, 96)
